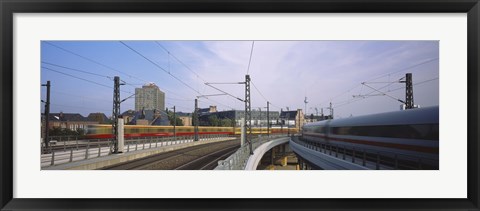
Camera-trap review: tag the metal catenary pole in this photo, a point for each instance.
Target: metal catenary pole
(47, 114)
(248, 114)
(115, 113)
(195, 121)
(288, 122)
(174, 125)
(408, 91)
(268, 120)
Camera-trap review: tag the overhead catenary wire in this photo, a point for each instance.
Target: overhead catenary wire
(108, 67)
(223, 92)
(188, 68)
(99, 75)
(83, 79)
(80, 96)
(263, 96)
(86, 72)
(381, 76)
(105, 76)
(77, 70)
(164, 70)
(340, 104)
(161, 68)
(403, 69)
(82, 107)
(181, 62)
(93, 61)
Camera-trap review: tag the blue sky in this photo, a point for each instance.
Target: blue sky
(284, 72)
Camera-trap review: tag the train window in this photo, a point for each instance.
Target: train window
(319, 129)
(421, 131)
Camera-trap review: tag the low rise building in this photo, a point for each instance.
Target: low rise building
(72, 121)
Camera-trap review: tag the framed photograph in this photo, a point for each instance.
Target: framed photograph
(386, 90)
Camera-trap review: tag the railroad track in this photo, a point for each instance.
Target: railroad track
(177, 158)
(209, 161)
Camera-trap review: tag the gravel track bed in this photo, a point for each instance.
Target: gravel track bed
(186, 157)
(173, 159)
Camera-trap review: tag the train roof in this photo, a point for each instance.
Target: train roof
(427, 115)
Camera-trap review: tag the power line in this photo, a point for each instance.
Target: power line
(383, 75)
(217, 103)
(384, 93)
(98, 63)
(78, 77)
(108, 67)
(358, 99)
(182, 63)
(226, 93)
(259, 91)
(161, 68)
(83, 79)
(80, 107)
(406, 68)
(77, 70)
(83, 71)
(93, 61)
(418, 83)
(177, 99)
(178, 106)
(250, 60)
(73, 95)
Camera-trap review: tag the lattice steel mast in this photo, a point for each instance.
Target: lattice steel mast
(248, 114)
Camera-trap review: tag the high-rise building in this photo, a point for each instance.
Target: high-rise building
(149, 97)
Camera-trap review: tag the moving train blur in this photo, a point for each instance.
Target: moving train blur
(411, 133)
(131, 131)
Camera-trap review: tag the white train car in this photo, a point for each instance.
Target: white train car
(412, 133)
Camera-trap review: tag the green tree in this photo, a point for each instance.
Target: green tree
(227, 123)
(57, 131)
(170, 119)
(213, 121)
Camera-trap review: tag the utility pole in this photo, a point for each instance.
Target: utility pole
(288, 121)
(331, 110)
(115, 113)
(283, 122)
(268, 119)
(260, 122)
(195, 120)
(299, 120)
(248, 114)
(174, 125)
(47, 113)
(408, 91)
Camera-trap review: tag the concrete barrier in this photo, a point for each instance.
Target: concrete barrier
(254, 159)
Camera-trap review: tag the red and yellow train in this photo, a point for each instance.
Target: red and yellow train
(132, 131)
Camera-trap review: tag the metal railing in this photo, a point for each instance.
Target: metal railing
(71, 151)
(238, 160)
(373, 159)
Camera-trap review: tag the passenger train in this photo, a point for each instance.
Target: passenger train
(131, 131)
(412, 132)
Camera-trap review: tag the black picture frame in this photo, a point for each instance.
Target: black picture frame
(10, 7)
